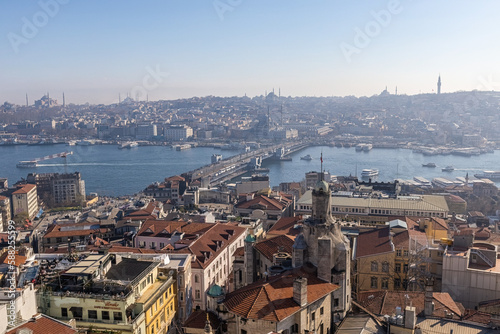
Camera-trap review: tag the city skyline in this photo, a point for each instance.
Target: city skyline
(95, 51)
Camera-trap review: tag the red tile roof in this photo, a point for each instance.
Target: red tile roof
(43, 324)
(198, 319)
(175, 178)
(54, 231)
(286, 225)
(240, 251)
(272, 300)
(18, 259)
(148, 211)
(25, 189)
(161, 228)
(385, 302)
(478, 317)
(373, 242)
(264, 202)
(269, 247)
(206, 248)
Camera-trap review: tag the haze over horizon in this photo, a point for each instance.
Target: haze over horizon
(92, 50)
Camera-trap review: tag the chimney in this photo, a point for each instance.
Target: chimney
(410, 317)
(300, 291)
(428, 301)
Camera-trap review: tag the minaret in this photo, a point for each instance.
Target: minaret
(396, 93)
(64, 101)
(119, 98)
(439, 85)
(27, 100)
(281, 115)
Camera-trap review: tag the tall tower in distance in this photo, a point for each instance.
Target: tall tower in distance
(439, 85)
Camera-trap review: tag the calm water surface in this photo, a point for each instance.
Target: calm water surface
(108, 170)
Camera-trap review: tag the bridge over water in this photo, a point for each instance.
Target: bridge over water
(234, 166)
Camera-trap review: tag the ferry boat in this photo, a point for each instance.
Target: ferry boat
(183, 147)
(367, 147)
(448, 169)
(26, 164)
(489, 174)
(369, 172)
(423, 182)
(129, 144)
(441, 182)
(307, 157)
(430, 164)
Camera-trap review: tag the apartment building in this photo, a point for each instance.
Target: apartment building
(112, 293)
(178, 132)
(25, 201)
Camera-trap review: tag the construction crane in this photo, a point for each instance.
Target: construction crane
(34, 163)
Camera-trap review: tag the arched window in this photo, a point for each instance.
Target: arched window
(374, 283)
(374, 266)
(385, 267)
(196, 279)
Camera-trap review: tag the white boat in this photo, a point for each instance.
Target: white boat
(129, 144)
(448, 169)
(489, 174)
(430, 164)
(360, 147)
(422, 181)
(367, 148)
(307, 157)
(369, 172)
(182, 147)
(26, 164)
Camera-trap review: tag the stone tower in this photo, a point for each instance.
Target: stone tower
(250, 270)
(326, 248)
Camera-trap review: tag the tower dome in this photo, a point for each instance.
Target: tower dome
(322, 186)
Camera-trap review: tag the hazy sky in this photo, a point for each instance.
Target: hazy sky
(94, 50)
